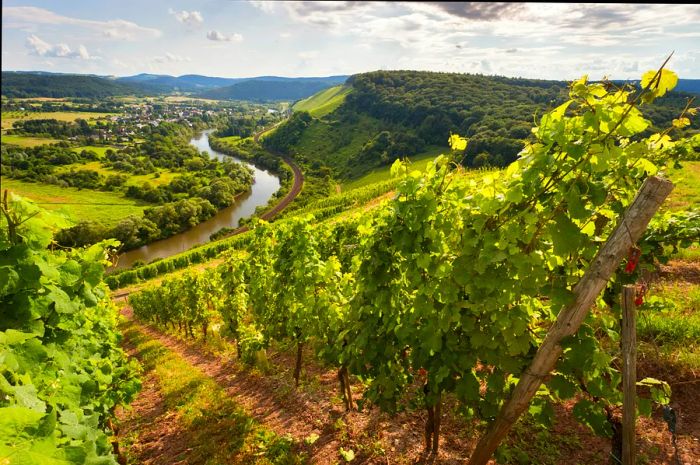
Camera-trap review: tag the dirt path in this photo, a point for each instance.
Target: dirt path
(268, 402)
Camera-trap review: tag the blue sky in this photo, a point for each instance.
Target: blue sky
(252, 38)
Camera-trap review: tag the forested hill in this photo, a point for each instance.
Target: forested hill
(496, 112)
(271, 89)
(19, 85)
(391, 114)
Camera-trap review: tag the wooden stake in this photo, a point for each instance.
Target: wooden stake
(629, 374)
(629, 230)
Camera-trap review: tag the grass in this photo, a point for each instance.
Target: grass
(333, 147)
(418, 161)
(687, 191)
(230, 139)
(99, 150)
(215, 428)
(27, 141)
(9, 117)
(324, 102)
(107, 208)
(672, 315)
(165, 176)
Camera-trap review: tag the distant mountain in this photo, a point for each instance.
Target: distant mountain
(159, 83)
(164, 84)
(271, 88)
(42, 84)
(691, 86)
(688, 85)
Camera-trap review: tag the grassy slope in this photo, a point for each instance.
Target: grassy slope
(103, 207)
(99, 150)
(672, 329)
(325, 142)
(383, 173)
(324, 102)
(687, 191)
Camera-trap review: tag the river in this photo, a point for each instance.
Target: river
(264, 185)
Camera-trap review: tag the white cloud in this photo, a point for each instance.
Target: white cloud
(266, 6)
(29, 17)
(42, 48)
(189, 18)
(220, 37)
(171, 58)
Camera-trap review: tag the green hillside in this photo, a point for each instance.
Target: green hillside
(324, 102)
(381, 116)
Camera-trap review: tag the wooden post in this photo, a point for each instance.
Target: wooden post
(629, 374)
(628, 231)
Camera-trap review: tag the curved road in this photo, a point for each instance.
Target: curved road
(291, 195)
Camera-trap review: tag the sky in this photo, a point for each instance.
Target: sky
(252, 38)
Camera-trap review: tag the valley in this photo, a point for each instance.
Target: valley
(350, 269)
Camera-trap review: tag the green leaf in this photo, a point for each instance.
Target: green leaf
(458, 143)
(593, 415)
(311, 438)
(565, 235)
(661, 84)
(562, 387)
(348, 455)
(14, 420)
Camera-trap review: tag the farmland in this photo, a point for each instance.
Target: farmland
(106, 208)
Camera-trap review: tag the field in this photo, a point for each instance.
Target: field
(103, 207)
(165, 176)
(99, 150)
(324, 102)
(8, 118)
(27, 141)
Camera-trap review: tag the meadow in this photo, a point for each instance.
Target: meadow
(9, 117)
(27, 141)
(107, 208)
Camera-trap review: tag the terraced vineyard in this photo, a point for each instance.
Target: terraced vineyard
(357, 304)
(379, 310)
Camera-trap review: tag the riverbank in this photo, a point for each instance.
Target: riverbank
(125, 277)
(265, 185)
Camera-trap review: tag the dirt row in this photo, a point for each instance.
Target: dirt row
(316, 411)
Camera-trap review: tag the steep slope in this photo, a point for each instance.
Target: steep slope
(324, 102)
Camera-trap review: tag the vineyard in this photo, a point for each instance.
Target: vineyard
(473, 303)
(448, 290)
